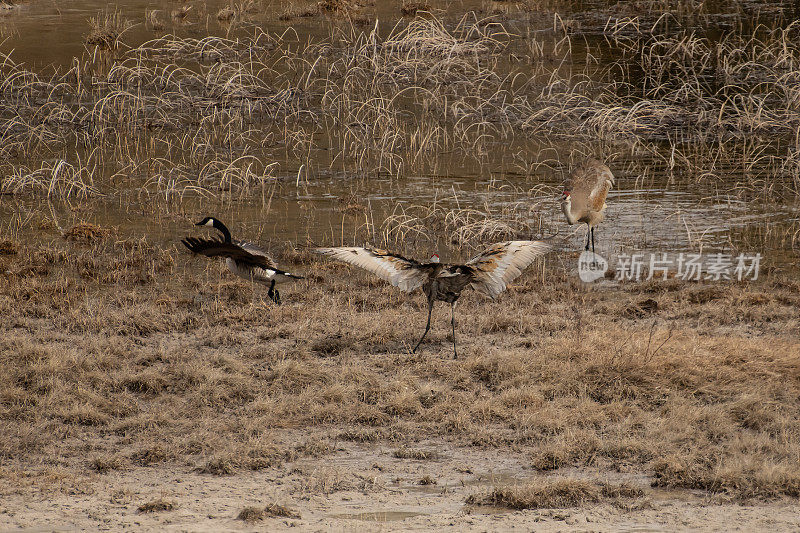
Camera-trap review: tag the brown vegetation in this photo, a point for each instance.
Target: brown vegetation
(8, 247)
(170, 364)
(85, 232)
(410, 9)
(157, 506)
(556, 492)
(254, 514)
(107, 29)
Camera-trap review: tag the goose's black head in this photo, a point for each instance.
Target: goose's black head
(208, 221)
(214, 223)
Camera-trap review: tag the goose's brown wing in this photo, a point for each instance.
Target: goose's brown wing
(501, 263)
(406, 274)
(214, 248)
(255, 250)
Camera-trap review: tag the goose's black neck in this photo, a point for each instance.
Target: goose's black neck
(225, 233)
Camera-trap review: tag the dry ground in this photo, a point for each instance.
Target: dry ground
(140, 385)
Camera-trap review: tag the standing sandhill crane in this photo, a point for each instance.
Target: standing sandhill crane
(584, 197)
(244, 259)
(488, 272)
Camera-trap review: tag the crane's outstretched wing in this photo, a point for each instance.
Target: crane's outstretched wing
(215, 248)
(501, 263)
(406, 274)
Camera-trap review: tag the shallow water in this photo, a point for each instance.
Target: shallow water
(646, 213)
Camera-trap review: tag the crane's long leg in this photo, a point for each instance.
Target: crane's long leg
(453, 324)
(428, 327)
(592, 241)
(588, 234)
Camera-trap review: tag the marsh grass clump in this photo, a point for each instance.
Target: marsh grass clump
(107, 29)
(181, 13)
(281, 511)
(273, 510)
(226, 14)
(54, 179)
(466, 228)
(104, 464)
(744, 482)
(293, 10)
(410, 8)
(251, 514)
(418, 455)
(86, 232)
(338, 6)
(157, 506)
(556, 493)
(223, 465)
(8, 247)
(153, 20)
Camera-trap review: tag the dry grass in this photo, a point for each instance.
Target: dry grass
(419, 455)
(410, 9)
(86, 232)
(153, 21)
(157, 506)
(107, 29)
(293, 10)
(555, 493)
(708, 401)
(391, 104)
(8, 247)
(273, 510)
(226, 14)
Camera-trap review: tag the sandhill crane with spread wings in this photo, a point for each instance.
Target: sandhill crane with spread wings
(584, 197)
(488, 273)
(244, 259)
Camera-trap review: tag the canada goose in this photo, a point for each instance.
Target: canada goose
(243, 258)
(584, 196)
(488, 272)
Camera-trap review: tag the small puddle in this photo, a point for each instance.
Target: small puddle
(378, 516)
(489, 480)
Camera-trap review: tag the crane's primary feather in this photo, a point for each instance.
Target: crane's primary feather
(406, 274)
(501, 263)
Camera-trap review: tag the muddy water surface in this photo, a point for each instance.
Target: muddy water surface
(648, 210)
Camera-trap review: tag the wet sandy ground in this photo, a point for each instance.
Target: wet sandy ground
(364, 487)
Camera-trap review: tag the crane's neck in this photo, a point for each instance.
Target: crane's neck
(225, 233)
(566, 206)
